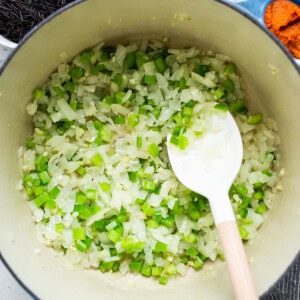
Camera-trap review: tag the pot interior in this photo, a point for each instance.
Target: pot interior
(273, 86)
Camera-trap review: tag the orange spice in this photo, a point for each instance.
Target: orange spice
(282, 17)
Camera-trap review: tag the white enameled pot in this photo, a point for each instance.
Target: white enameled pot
(273, 84)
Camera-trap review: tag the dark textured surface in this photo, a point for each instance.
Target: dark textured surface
(17, 17)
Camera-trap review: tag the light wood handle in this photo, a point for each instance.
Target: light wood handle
(236, 259)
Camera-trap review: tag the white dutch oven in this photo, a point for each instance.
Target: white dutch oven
(273, 83)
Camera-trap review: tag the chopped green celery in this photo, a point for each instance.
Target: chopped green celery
(157, 271)
(106, 266)
(81, 246)
(58, 91)
(101, 225)
(169, 221)
(229, 85)
(218, 93)
(83, 211)
(141, 59)
(152, 223)
(80, 198)
(133, 120)
(129, 245)
(118, 98)
(184, 260)
(171, 269)
(30, 144)
(247, 221)
(97, 160)
(123, 215)
(105, 186)
(27, 179)
(259, 195)
(177, 209)
(79, 233)
(106, 53)
(29, 191)
(41, 163)
(116, 266)
(245, 202)
(139, 201)
(243, 232)
(86, 56)
(181, 84)
(192, 251)
(198, 263)
(44, 176)
(105, 133)
(202, 69)
(147, 209)
(136, 266)
(221, 106)
(132, 176)
(146, 270)
(191, 238)
(230, 68)
(139, 142)
(180, 141)
(255, 119)
(81, 171)
(261, 209)
(153, 150)
(149, 79)
(73, 104)
(118, 79)
(70, 86)
(241, 190)
(178, 130)
(97, 124)
(148, 185)
(163, 280)
(36, 182)
(115, 234)
(160, 63)
(187, 111)
(76, 72)
(42, 199)
(108, 99)
(118, 119)
(267, 172)
(38, 93)
(59, 228)
(130, 60)
(193, 211)
(94, 70)
(90, 194)
(38, 190)
(243, 212)
(160, 247)
(50, 203)
(237, 106)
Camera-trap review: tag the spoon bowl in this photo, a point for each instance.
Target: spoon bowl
(209, 166)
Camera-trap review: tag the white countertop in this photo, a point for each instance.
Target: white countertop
(9, 287)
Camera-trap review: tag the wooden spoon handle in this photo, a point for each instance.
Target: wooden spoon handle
(236, 261)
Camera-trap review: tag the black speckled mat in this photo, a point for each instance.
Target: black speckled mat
(17, 17)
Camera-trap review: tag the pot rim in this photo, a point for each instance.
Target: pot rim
(75, 3)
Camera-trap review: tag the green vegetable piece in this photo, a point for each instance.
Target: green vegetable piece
(128, 244)
(180, 141)
(141, 59)
(80, 198)
(153, 150)
(38, 93)
(132, 176)
(149, 79)
(230, 68)
(108, 99)
(221, 106)
(76, 72)
(107, 53)
(38, 190)
(139, 142)
(202, 69)
(97, 160)
(259, 195)
(169, 221)
(70, 86)
(58, 91)
(218, 93)
(191, 238)
(59, 228)
(148, 185)
(30, 144)
(44, 176)
(36, 182)
(86, 56)
(41, 163)
(118, 98)
(160, 63)
(163, 280)
(81, 246)
(81, 171)
(255, 119)
(115, 234)
(160, 247)
(244, 213)
(139, 201)
(241, 190)
(118, 79)
(152, 223)
(261, 209)
(238, 106)
(171, 269)
(105, 186)
(147, 209)
(79, 233)
(188, 111)
(133, 120)
(267, 172)
(243, 232)
(229, 85)
(130, 60)
(198, 263)
(146, 270)
(118, 119)
(192, 251)
(156, 271)
(90, 194)
(136, 266)
(42, 199)
(106, 266)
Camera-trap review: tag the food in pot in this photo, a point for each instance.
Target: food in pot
(96, 172)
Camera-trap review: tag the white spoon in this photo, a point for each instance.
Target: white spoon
(209, 166)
